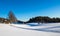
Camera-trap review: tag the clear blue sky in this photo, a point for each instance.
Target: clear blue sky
(26, 9)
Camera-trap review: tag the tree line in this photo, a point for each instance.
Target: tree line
(43, 19)
(39, 19)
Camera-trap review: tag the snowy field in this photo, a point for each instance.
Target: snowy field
(31, 29)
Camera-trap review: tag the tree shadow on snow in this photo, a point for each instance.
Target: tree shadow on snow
(45, 29)
(32, 25)
(52, 27)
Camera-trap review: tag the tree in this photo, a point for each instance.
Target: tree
(12, 17)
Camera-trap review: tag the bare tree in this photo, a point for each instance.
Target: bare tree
(12, 17)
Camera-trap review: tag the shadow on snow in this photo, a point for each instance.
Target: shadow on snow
(44, 29)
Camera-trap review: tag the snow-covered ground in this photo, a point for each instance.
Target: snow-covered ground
(50, 27)
(47, 29)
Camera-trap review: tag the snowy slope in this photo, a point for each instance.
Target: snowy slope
(13, 30)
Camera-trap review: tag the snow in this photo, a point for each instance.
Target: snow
(39, 26)
(49, 29)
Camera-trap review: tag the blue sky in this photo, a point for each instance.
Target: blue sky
(26, 9)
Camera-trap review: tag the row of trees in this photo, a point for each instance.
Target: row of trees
(3, 20)
(45, 19)
(39, 19)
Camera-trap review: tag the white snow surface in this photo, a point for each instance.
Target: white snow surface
(47, 29)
